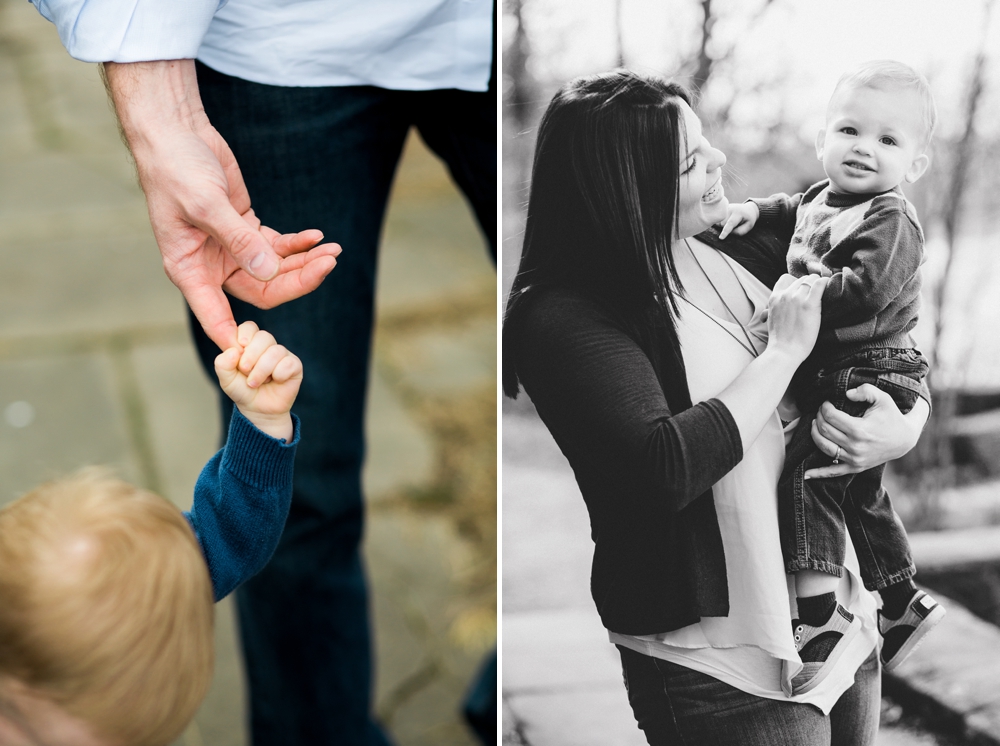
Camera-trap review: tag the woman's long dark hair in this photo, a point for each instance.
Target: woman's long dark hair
(603, 204)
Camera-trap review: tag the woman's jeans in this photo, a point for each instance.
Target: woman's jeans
(676, 706)
(815, 515)
(325, 158)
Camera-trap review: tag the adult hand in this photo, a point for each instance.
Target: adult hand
(793, 314)
(199, 206)
(881, 434)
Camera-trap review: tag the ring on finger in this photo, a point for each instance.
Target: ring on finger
(836, 456)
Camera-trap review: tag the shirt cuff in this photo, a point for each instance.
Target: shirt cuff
(254, 457)
(130, 30)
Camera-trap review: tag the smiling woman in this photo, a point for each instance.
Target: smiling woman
(659, 365)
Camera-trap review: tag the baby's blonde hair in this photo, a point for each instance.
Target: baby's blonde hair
(891, 75)
(106, 607)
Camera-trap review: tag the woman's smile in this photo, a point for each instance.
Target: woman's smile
(701, 200)
(714, 194)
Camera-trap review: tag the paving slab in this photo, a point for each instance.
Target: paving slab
(590, 718)
(558, 650)
(424, 260)
(100, 285)
(447, 360)
(72, 417)
(421, 674)
(545, 525)
(182, 414)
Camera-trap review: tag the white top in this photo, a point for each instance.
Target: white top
(396, 44)
(746, 649)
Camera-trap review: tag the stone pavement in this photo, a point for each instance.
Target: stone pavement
(562, 683)
(96, 367)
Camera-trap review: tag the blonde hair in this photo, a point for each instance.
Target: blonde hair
(891, 75)
(106, 606)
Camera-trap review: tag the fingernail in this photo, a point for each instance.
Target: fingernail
(263, 266)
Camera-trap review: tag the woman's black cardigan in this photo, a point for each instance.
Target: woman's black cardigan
(645, 458)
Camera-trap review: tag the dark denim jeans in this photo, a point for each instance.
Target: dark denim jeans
(676, 706)
(814, 514)
(325, 158)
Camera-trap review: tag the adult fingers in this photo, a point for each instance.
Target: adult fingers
(296, 283)
(834, 470)
(830, 442)
(242, 240)
(211, 307)
(867, 392)
(301, 274)
(292, 243)
(783, 282)
(832, 449)
(837, 425)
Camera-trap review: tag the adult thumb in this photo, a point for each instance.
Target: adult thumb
(867, 392)
(246, 245)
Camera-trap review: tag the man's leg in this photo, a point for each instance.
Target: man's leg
(460, 127)
(315, 158)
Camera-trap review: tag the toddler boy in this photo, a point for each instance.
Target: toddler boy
(106, 609)
(857, 228)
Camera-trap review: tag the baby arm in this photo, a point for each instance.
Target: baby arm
(741, 219)
(243, 494)
(778, 211)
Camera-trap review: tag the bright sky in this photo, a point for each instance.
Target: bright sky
(807, 43)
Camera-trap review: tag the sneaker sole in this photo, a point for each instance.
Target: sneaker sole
(929, 623)
(831, 662)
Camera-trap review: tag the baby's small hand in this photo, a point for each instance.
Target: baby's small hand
(262, 378)
(741, 219)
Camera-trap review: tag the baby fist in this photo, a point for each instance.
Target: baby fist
(262, 378)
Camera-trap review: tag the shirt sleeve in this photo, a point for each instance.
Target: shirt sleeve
(778, 212)
(241, 501)
(130, 30)
(598, 393)
(876, 263)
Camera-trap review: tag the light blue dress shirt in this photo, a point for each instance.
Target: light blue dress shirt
(396, 44)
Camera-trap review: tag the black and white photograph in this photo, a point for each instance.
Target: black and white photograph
(750, 455)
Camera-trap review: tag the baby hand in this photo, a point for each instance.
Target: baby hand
(741, 219)
(262, 378)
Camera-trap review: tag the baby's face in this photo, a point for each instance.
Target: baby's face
(873, 140)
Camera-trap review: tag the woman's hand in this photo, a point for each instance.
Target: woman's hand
(881, 434)
(793, 314)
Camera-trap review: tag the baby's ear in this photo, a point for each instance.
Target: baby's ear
(820, 139)
(917, 168)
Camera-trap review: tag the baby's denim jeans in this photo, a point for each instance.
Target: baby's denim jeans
(813, 514)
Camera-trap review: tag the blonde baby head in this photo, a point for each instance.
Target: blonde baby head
(106, 615)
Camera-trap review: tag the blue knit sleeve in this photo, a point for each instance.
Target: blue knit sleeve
(241, 501)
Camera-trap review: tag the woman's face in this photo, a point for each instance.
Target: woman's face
(701, 201)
